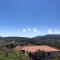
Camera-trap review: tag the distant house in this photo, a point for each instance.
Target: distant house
(50, 50)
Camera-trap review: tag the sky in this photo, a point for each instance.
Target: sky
(29, 18)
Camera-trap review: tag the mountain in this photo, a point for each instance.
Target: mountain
(47, 37)
(50, 39)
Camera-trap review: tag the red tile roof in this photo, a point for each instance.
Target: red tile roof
(35, 48)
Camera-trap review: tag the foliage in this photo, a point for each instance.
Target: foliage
(12, 55)
(10, 46)
(41, 55)
(38, 55)
(52, 40)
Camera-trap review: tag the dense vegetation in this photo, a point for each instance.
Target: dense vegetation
(52, 40)
(12, 55)
(41, 55)
(11, 42)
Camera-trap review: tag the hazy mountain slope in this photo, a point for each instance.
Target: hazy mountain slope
(51, 39)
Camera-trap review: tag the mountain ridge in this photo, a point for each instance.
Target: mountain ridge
(50, 39)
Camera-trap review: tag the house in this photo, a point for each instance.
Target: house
(33, 48)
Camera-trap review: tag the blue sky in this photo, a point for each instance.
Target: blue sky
(29, 17)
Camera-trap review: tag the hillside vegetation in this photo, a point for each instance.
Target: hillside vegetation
(52, 40)
(12, 55)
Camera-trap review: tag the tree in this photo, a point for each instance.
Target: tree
(38, 55)
(12, 55)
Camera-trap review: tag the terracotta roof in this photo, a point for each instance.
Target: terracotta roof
(35, 48)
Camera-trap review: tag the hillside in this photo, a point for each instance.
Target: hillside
(52, 39)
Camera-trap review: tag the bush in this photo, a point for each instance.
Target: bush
(12, 56)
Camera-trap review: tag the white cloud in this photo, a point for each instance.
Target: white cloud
(24, 30)
(56, 32)
(38, 33)
(29, 29)
(50, 31)
(35, 30)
